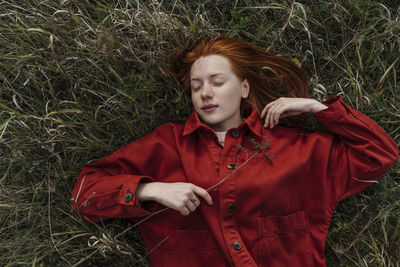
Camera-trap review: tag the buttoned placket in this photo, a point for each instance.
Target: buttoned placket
(227, 192)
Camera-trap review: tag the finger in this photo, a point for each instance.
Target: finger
(277, 115)
(267, 117)
(203, 193)
(276, 118)
(271, 115)
(271, 119)
(184, 211)
(189, 204)
(195, 200)
(264, 111)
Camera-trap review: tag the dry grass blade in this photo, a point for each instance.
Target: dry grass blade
(79, 79)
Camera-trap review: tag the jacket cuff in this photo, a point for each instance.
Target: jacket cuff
(336, 110)
(128, 198)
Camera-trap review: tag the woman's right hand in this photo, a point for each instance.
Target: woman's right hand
(183, 197)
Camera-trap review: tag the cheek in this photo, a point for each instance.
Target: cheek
(235, 100)
(195, 100)
(233, 94)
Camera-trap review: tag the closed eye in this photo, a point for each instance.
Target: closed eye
(195, 87)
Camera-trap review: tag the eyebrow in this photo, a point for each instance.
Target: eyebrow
(212, 76)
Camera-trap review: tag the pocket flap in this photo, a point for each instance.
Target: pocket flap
(283, 224)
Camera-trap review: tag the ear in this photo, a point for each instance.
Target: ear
(245, 88)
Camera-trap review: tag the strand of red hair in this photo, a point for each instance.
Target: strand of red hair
(270, 76)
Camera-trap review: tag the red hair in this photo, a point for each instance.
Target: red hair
(270, 76)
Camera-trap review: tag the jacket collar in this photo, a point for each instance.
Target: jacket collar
(253, 122)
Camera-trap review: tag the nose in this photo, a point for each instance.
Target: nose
(206, 91)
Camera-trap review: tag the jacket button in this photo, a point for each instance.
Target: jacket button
(231, 206)
(237, 245)
(235, 133)
(231, 166)
(128, 197)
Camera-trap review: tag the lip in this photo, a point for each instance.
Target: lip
(209, 108)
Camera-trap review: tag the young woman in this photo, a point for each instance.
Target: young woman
(241, 189)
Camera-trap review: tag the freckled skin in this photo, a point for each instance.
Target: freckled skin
(213, 82)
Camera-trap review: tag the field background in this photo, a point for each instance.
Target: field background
(80, 79)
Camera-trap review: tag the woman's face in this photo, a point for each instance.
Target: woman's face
(217, 92)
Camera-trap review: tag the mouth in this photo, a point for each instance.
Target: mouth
(209, 108)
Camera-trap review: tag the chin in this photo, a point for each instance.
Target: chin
(209, 119)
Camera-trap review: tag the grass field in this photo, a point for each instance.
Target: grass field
(80, 79)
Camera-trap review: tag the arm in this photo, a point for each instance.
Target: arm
(127, 182)
(107, 188)
(361, 153)
(104, 191)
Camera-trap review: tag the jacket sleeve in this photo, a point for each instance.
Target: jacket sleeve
(361, 152)
(106, 188)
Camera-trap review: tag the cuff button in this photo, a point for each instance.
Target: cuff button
(128, 197)
(235, 133)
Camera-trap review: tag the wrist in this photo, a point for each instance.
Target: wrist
(317, 106)
(145, 191)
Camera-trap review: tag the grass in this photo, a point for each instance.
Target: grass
(80, 79)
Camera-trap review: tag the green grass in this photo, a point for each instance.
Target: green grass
(79, 79)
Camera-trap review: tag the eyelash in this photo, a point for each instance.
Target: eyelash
(215, 83)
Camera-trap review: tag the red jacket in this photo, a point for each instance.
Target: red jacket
(274, 210)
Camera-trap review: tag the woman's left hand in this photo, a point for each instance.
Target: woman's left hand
(289, 106)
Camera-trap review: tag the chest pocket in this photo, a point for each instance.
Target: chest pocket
(192, 248)
(285, 240)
